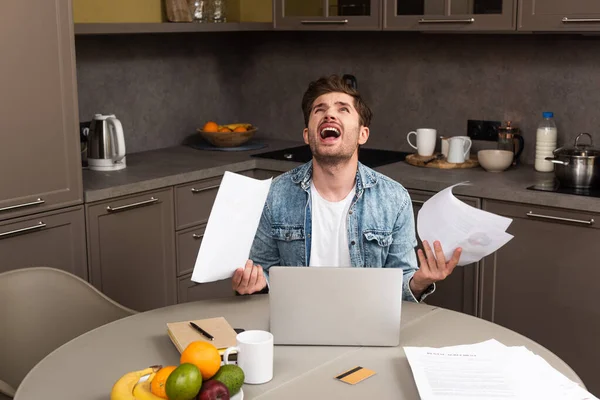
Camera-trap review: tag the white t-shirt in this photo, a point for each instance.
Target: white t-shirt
(329, 241)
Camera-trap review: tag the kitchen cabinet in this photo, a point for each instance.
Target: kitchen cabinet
(542, 284)
(40, 153)
(53, 239)
(449, 15)
(192, 291)
(327, 14)
(559, 15)
(460, 290)
(131, 249)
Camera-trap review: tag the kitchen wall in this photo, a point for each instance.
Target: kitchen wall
(161, 87)
(166, 86)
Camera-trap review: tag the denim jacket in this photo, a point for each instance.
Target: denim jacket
(381, 228)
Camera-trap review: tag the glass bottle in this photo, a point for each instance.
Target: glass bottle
(199, 9)
(218, 11)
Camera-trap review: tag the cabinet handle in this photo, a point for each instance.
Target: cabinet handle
(418, 201)
(578, 221)
(566, 20)
(196, 236)
(324, 22)
(194, 190)
(133, 205)
(33, 203)
(40, 225)
(447, 21)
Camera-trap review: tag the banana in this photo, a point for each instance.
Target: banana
(123, 387)
(142, 391)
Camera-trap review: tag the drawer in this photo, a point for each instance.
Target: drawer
(53, 239)
(419, 197)
(194, 201)
(543, 214)
(192, 291)
(188, 243)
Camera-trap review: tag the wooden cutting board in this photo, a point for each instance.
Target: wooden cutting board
(419, 161)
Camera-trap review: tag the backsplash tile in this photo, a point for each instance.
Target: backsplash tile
(164, 86)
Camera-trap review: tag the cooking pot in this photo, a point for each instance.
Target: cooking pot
(578, 166)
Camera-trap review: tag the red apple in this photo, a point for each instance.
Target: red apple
(213, 390)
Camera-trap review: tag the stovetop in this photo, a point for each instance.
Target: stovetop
(555, 187)
(370, 157)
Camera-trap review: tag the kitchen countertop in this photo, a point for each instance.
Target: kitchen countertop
(177, 165)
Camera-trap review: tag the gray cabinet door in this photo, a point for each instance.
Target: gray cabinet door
(192, 291)
(40, 153)
(132, 251)
(450, 15)
(327, 14)
(53, 239)
(543, 283)
(459, 291)
(188, 244)
(194, 202)
(559, 15)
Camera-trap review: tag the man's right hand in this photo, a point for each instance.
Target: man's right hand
(249, 279)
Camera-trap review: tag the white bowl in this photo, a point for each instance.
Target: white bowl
(495, 160)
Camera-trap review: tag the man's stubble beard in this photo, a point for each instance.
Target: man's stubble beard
(331, 160)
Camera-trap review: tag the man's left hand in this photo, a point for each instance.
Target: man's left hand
(433, 268)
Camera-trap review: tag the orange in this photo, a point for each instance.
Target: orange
(240, 129)
(210, 127)
(157, 386)
(224, 129)
(203, 355)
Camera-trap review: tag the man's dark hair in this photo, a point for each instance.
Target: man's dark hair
(332, 84)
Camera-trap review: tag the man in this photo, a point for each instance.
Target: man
(334, 211)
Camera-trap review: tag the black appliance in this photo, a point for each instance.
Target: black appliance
(372, 158)
(554, 187)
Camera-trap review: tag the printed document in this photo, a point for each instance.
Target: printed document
(488, 370)
(456, 224)
(231, 227)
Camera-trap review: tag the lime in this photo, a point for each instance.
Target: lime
(184, 382)
(231, 376)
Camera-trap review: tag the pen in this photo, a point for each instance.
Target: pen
(202, 331)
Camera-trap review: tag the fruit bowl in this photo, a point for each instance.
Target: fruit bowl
(229, 138)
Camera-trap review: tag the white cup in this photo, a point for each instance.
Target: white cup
(254, 355)
(444, 140)
(458, 149)
(425, 141)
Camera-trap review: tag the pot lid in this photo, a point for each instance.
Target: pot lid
(579, 150)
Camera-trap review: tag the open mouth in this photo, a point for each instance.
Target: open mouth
(328, 132)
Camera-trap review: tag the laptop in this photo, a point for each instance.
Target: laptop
(335, 306)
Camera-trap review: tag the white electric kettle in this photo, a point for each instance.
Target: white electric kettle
(106, 144)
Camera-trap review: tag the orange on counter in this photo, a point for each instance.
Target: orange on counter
(157, 387)
(210, 126)
(203, 355)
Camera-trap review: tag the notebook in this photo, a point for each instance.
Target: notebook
(182, 334)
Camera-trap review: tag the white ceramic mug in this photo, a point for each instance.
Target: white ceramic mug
(254, 356)
(458, 149)
(444, 140)
(426, 139)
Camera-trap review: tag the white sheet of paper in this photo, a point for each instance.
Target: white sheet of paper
(455, 224)
(231, 227)
(488, 370)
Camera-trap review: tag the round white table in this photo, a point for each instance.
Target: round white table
(86, 367)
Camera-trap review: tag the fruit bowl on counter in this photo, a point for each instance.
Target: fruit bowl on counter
(230, 135)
